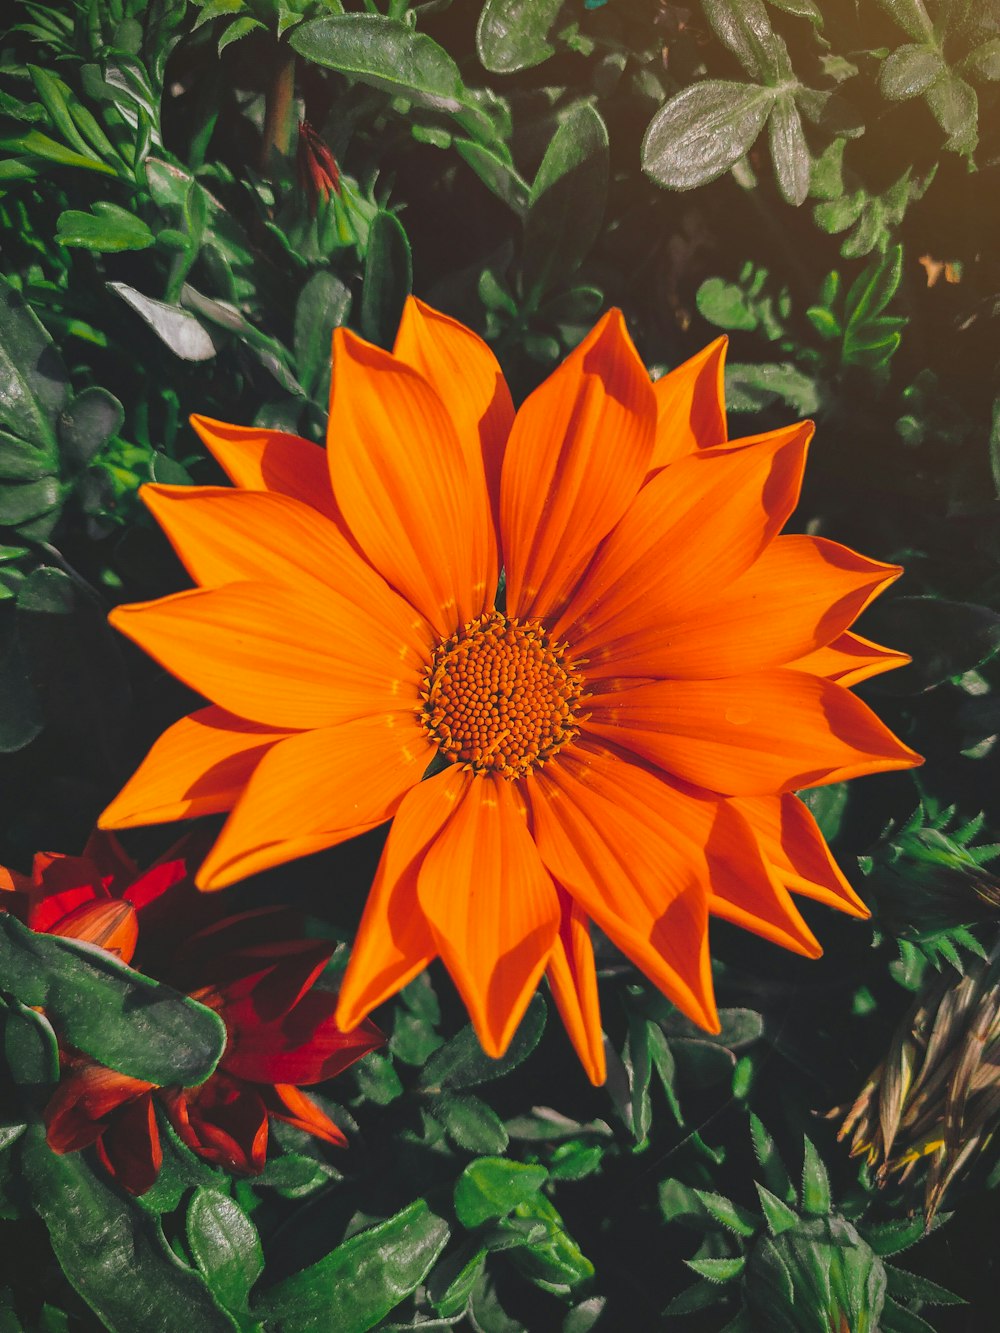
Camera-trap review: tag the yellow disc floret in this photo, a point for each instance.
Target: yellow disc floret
(500, 696)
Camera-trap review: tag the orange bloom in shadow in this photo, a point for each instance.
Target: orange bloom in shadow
(254, 969)
(618, 739)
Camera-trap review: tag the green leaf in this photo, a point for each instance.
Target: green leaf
(33, 381)
(750, 388)
(323, 305)
(568, 199)
(49, 150)
(496, 174)
(107, 228)
(242, 27)
(492, 1187)
(911, 1287)
(703, 131)
(471, 1123)
(897, 1319)
(815, 1182)
(731, 1215)
(451, 1283)
(777, 1214)
(29, 1047)
(112, 1251)
(55, 96)
(775, 1176)
(224, 1245)
(87, 424)
(718, 1270)
(701, 1296)
(387, 280)
(944, 638)
(182, 333)
(462, 1062)
(356, 1285)
(956, 109)
(743, 25)
(511, 33)
(789, 151)
(874, 288)
(912, 17)
(20, 713)
(126, 1021)
(984, 61)
(909, 70)
(385, 53)
(553, 1260)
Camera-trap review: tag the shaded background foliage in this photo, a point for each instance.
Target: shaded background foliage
(194, 195)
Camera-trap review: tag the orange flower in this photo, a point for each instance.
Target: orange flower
(616, 738)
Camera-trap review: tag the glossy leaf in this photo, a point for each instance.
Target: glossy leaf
(112, 1251)
(703, 131)
(492, 1187)
(102, 1007)
(358, 1283)
(511, 34)
(225, 1246)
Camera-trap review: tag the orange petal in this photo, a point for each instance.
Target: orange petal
(111, 925)
(691, 406)
(227, 536)
(269, 460)
(198, 766)
(573, 982)
(491, 907)
(850, 659)
(316, 789)
(800, 593)
(468, 380)
(394, 941)
(578, 451)
(747, 890)
(288, 1102)
(750, 735)
(632, 866)
(282, 656)
(790, 839)
(402, 482)
(691, 530)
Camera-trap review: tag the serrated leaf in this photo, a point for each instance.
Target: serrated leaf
(897, 1318)
(777, 1214)
(703, 131)
(698, 1297)
(911, 1287)
(356, 1285)
(730, 1214)
(775, 1176)
(124, 1020)
(511, 34)
(718, 1270)
(492, 1187)
(750, 388)
(815, 1182)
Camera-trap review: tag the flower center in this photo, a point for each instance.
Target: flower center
(501, 696)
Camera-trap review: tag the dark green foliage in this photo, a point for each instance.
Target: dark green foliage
(816, 180)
